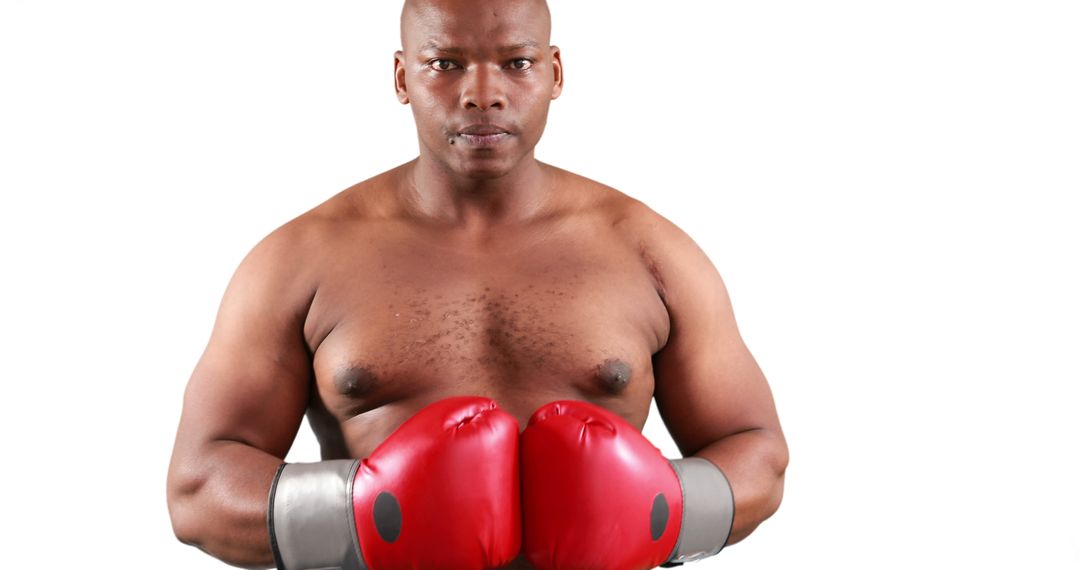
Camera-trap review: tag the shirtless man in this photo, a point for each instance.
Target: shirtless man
(472, 270)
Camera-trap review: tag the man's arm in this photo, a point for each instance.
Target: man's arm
(243, 407)
(710, 392)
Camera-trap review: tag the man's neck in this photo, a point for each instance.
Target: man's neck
(432, 191)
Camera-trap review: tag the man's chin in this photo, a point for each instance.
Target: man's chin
(482, 170)
(484, 175)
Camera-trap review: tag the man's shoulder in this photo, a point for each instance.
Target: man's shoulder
(627, 215)
(666, 249)
(607, 202)
(310, 232)
(362, 200)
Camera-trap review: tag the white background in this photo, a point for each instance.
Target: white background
(885, 186)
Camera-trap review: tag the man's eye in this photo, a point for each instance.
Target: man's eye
(521, 63)
(442, 65)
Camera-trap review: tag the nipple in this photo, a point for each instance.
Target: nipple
(614, 375)
(355, 381)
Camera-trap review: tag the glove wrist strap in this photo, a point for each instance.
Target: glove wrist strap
(708, 510)
(310, 517)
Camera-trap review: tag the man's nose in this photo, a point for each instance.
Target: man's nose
(484, 89)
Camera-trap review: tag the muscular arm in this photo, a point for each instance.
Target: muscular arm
(710, 392)
(242, 408)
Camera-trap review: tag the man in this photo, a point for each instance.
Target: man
(473, 270)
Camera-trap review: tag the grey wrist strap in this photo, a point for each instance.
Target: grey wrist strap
(708, 510)
(310, 517)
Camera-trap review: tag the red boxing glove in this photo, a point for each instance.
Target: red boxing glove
(597, 495)
(441, 492)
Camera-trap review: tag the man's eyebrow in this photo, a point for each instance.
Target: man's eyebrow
(434, 46)
(519, 46)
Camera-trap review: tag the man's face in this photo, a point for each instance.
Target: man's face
(480, 76)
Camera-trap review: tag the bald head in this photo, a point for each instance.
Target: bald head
(480, 76)
(423, 20)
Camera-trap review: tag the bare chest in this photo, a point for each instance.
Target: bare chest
(402, 324)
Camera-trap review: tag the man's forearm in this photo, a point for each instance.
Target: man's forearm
(218, 503)
(754, 462)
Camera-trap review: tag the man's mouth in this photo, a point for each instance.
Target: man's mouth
(483, 135)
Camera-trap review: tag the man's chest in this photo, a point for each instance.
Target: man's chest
(562, 319)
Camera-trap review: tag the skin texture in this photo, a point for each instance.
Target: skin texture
(472, 270)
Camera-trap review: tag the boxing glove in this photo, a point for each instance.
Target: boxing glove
(597, 495)
(443, 491)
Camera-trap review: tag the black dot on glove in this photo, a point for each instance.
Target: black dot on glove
(387, 514)
(658, 518)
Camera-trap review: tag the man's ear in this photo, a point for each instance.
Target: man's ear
(399, 77)
(556, 67)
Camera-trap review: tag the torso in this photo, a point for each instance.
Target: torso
(560, 308)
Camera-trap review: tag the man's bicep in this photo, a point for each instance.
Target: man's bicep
(708, 385)
(253, 380)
